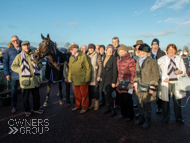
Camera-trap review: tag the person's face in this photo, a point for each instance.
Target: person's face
(115, 42)
(155, 47)
(122, 53)
(142, 54)
(83, 49)
(15, 41)
(137, 48)
(97, 49)
(74, 51)
(171, 51)
(102, 51)
(109, 51)
(91, 50)
(179, 52)
(26, 48)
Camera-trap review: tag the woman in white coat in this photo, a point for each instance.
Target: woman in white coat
(171, 69)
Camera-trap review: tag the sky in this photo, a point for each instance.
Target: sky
(96, 21)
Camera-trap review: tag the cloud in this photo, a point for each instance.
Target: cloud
(162, 33)
(160, 3)
(12, 26)
(72, 24)
(57, 24)
(159, 21)
(184, 24)
(178, 4)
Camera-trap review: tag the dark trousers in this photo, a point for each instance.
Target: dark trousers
(117, 100)
(94, 92)
(159, 102)
(109, 100)
(126, 103)
(67, 92)
(103, 97)
(14, 85)
(36, 99)
(166, 105)
(145, 109)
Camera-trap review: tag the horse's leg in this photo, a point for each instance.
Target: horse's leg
(48, 92)
(60, 94)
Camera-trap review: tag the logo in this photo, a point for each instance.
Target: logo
(32, 126)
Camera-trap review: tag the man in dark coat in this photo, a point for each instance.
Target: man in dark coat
(54, 74)
(156, 53)
(9, 56)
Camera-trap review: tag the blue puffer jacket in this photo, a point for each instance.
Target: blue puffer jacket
(9, 56)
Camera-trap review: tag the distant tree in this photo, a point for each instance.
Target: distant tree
(185, 48)
(66, 45)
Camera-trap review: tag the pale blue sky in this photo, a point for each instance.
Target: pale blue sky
(96, 21)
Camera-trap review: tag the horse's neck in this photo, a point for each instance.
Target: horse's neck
(53, 53)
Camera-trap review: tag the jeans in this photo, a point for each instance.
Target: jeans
(14, 85)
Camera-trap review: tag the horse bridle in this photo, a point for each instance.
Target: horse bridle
(44, 53)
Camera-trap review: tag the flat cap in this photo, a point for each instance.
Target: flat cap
(25, 43)
(74, 46)
(91, 46)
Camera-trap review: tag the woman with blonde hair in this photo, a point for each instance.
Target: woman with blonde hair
(145, 82)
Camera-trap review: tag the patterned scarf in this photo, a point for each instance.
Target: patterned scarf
(171, 68)
(141, 60)
(26, 68)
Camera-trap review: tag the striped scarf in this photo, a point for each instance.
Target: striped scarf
(171, 68)
(26, 68)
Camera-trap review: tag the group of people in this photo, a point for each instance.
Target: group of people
(148, 74)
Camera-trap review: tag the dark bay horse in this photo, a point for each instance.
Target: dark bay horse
(54, 68)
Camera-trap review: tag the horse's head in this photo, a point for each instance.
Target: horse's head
(46, 47)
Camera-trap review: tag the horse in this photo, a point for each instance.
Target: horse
(54, 68)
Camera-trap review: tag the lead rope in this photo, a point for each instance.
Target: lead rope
(185, 103)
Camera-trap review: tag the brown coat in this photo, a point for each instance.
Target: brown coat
(96, 64)
(149, 75)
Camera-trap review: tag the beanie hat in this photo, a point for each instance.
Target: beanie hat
(155, 41)
(91, 46)
(144, 47)
(122, 47)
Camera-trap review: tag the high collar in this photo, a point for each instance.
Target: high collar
(124, 57)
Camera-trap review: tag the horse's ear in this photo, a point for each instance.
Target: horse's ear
(42, 36)
(48, 37)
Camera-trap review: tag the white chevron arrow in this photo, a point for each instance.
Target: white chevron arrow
(12, 130)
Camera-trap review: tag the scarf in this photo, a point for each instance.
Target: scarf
(25, 66)
(171, 68)
(141, 60)
(154, 53)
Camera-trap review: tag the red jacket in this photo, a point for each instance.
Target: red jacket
(126, 69)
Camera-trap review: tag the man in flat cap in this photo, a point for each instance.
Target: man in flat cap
(79, 75)
(29, 77)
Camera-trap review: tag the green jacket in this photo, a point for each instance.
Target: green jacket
(79, 69)
(26, 82)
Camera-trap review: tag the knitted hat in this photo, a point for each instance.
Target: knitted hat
(144, 47)
(74, 46)
(91, 46)
(155, 41)
(122, 47)
(109, 46)
(139, 42)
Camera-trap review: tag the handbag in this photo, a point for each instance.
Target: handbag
(142, 87)
(183, 83)
(123, 84)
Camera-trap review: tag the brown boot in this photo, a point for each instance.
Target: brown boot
(96, 105)
(92, 104)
